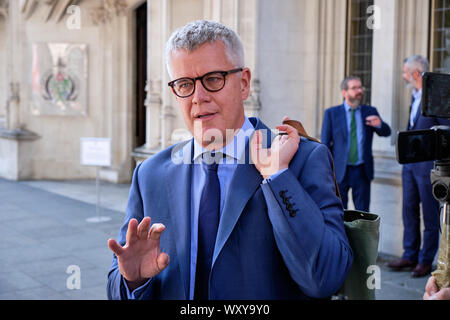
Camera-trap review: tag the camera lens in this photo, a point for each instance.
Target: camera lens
(440, 191)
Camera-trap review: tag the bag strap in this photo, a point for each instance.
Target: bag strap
(302, 132)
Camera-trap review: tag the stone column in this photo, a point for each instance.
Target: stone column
(330, 67)
(16, 149)
(247, 26)
(154, 99)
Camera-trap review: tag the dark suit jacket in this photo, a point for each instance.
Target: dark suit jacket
(335, 136)
(265, 248)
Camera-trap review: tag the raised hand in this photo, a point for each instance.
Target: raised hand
(278, 157)
(141, 257)
(373, 121)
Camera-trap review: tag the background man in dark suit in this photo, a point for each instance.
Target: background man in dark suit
(417, 186)
(348, 130)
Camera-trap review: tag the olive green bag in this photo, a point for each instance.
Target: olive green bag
(362, 229)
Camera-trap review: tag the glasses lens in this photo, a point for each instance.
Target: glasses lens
(183, 87)
(214, 81)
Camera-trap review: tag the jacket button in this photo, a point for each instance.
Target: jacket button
(282, 193)
(292, 213)
(289, 207)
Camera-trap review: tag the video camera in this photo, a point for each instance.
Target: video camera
(432, 144)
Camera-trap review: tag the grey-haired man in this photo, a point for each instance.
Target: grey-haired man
(270, 228)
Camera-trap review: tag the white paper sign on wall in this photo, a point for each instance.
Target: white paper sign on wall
(96, 151)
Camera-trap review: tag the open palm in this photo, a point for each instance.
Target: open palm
(141, 257)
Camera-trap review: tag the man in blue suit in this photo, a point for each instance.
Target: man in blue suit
(348, 130)
(238, 213)
(417, 185)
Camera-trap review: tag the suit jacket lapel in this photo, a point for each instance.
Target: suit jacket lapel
(416, 117)
(342, 122)
(364, 115)
(178, 186)
(246, 179)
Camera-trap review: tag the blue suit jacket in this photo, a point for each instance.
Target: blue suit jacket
(264, 250)
(335, 136)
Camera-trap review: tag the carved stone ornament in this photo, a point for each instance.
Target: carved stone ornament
(153, 92)
(53, 8)
(4, 6)
(253, 102)
(108, 10)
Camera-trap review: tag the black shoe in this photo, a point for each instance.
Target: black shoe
(401, 264)
(421, 270)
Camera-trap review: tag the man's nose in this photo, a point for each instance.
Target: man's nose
(200, 94)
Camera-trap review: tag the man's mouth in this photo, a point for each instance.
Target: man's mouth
(204, 116)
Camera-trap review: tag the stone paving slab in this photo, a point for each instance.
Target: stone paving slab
(41, 234)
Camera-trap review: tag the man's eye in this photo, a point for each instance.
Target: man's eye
(213, 79)
(184, 85)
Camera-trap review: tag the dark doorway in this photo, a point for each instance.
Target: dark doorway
(141, 72)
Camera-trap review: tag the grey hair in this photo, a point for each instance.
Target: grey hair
(344, 83)
(417, 62)
(199, 32)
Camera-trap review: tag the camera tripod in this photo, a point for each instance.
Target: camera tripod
(440, 181)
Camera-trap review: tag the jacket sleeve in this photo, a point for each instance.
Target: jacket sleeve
(307, 219)
(116, 287)
(326, 134)
(385, 130)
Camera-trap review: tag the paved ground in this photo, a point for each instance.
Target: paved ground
(43, 231)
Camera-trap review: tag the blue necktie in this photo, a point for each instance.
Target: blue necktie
(208, 222)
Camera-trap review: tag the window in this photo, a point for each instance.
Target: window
(359, 44)
(440, 36)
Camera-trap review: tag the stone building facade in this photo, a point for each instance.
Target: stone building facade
(298, 52)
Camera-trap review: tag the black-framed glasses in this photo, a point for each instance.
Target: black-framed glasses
(211, 81)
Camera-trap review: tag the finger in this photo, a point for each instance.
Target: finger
(156, 230)
(431, 287)
(283, 138)
(132, 231)
(290, 130)
(115, 247)
(256, 142)
(143, 228)
(444, 294)
(162, 261)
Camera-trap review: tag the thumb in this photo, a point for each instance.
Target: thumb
(162, 261)
(115, 247)
(256, 142)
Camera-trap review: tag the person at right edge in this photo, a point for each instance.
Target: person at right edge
(417, 186)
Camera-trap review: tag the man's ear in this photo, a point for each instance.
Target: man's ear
(416, 74)
(245, 83)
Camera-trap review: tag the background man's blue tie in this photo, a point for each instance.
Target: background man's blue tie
(208, 222)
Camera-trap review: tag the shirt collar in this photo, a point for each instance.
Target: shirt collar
(235, 148)
(348, 108)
